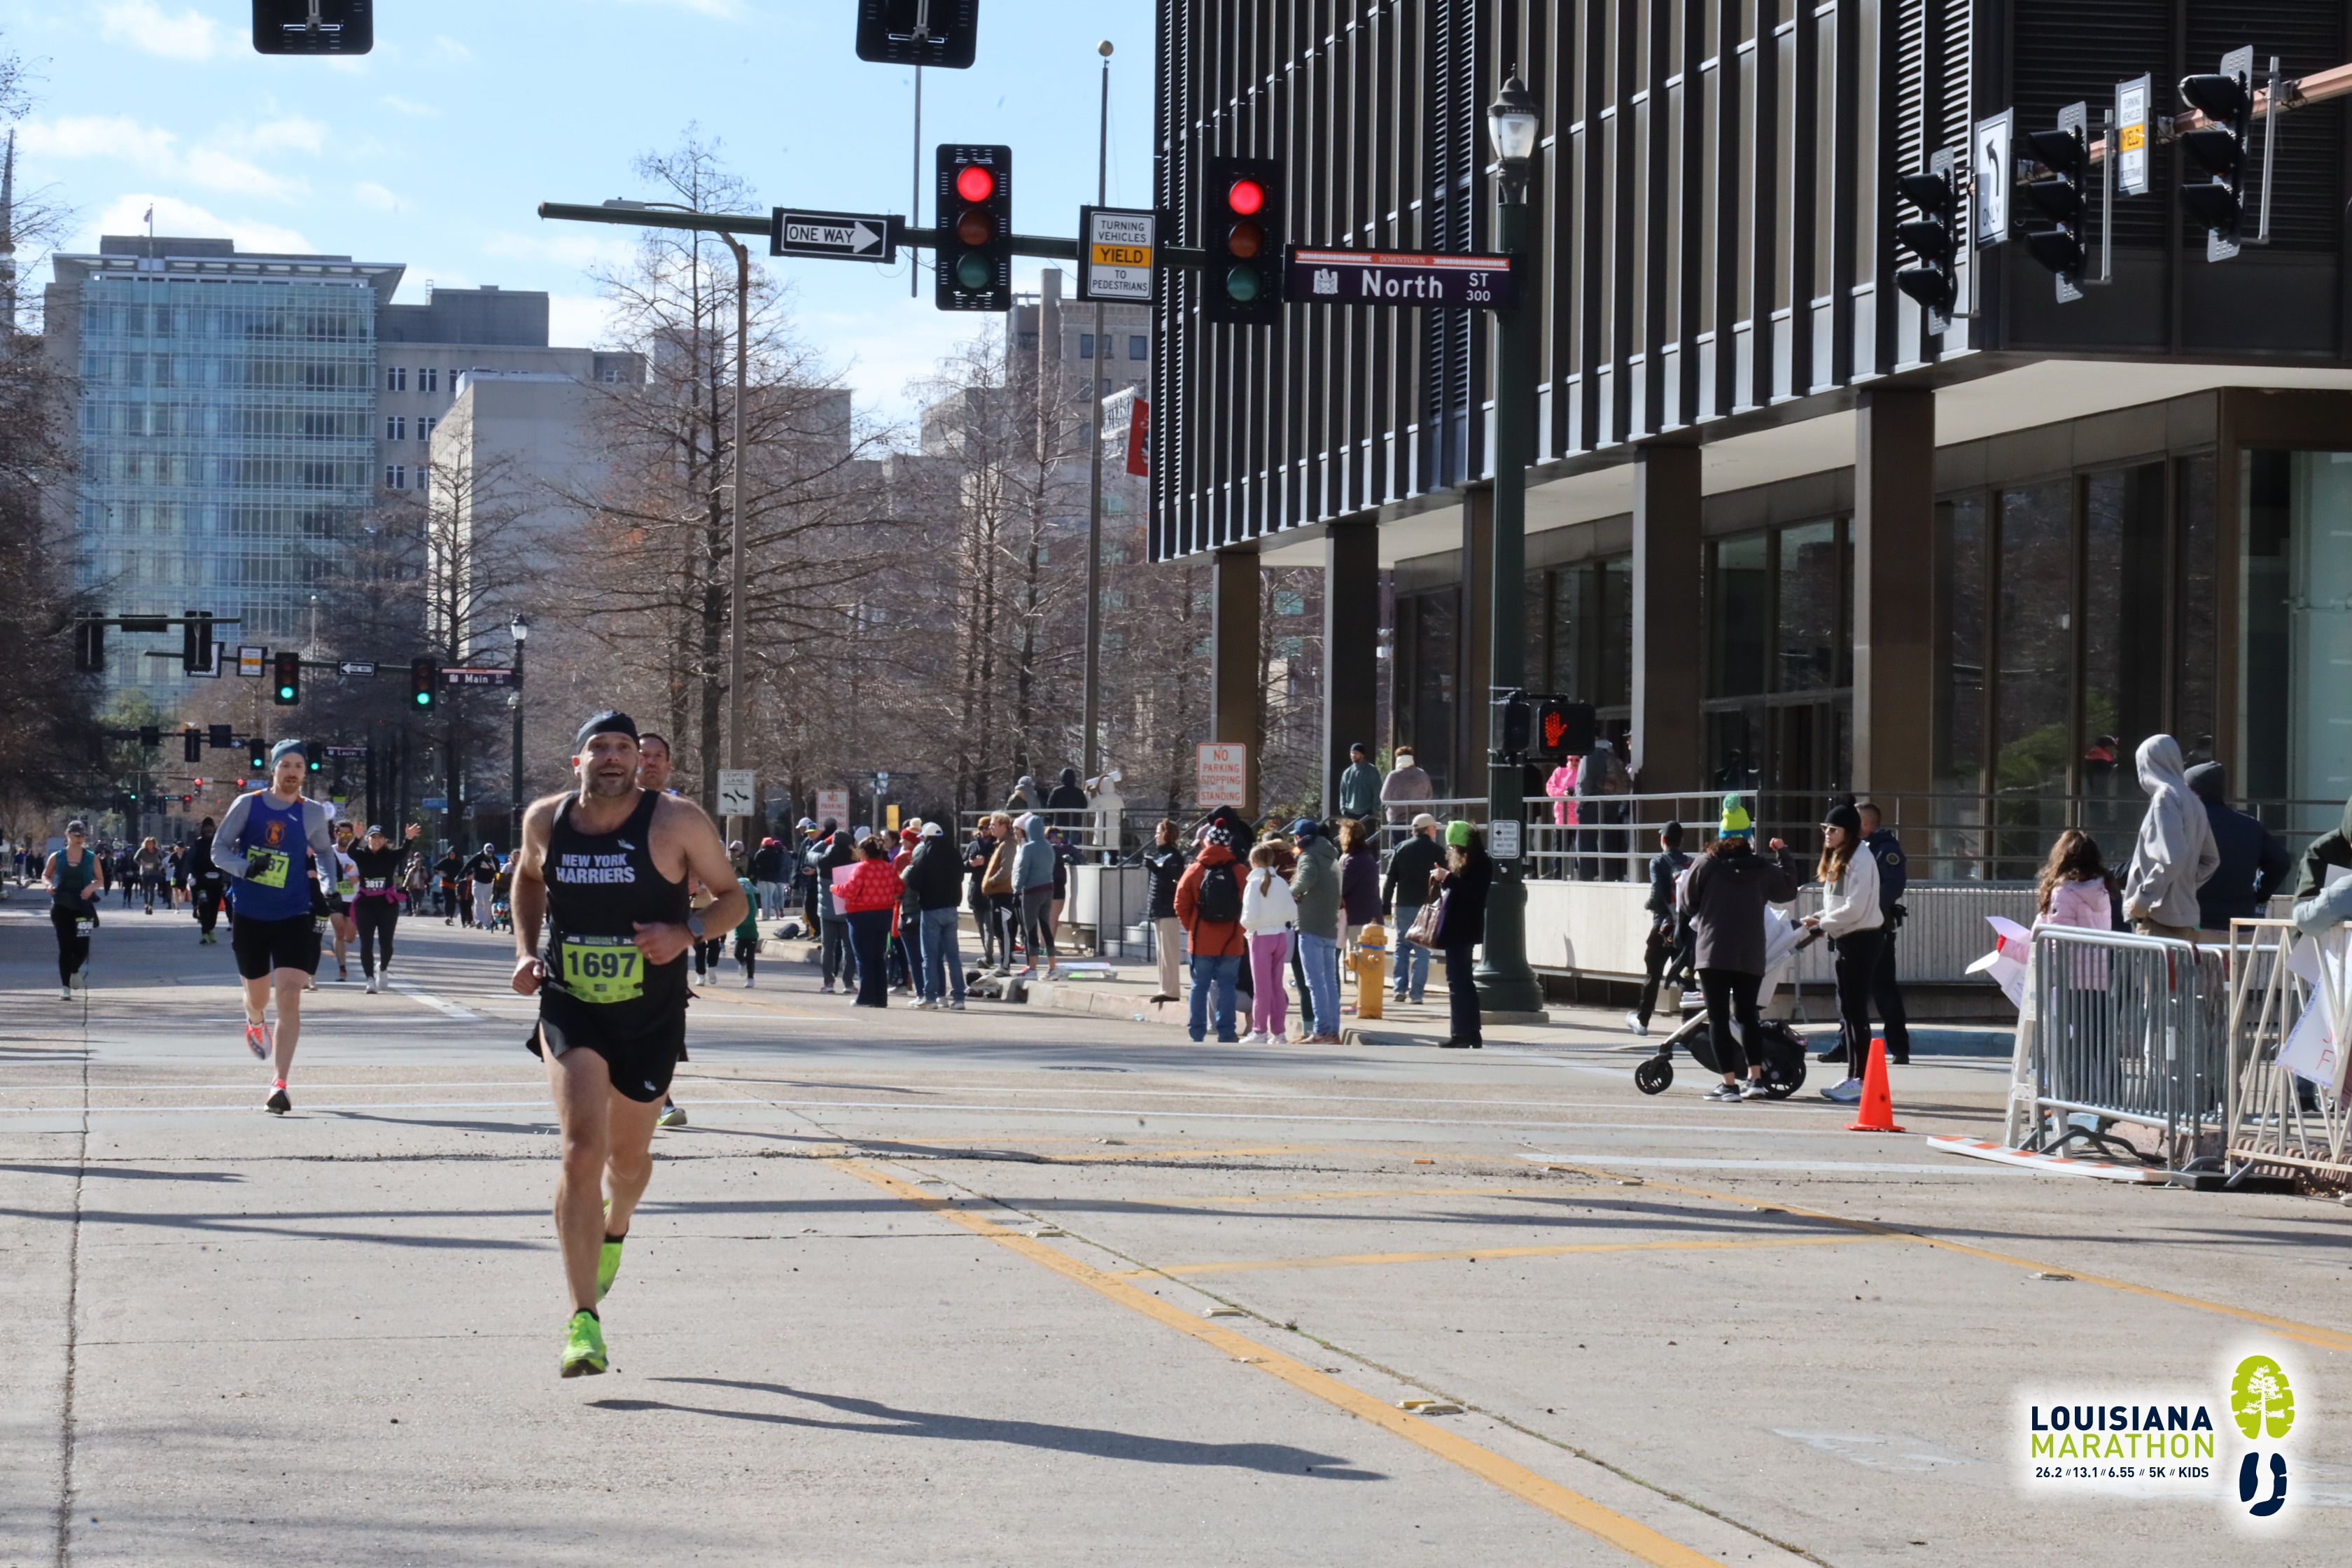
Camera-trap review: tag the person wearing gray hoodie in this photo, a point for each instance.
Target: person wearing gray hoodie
(2174, 854)
(1032, 878)
(1315, 886)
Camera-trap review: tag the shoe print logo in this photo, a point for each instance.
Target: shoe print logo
(651, 1089)
(2250, 1481)
(2261, 1399)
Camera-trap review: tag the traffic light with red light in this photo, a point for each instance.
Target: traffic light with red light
(1241, 229)
(286, 677)
(975, 218)
(2065, 155)
(1932, 237)
(424, 682)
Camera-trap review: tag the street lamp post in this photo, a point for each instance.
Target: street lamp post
(735, 591)
(519, 628)
(1506, 982)
(1089, 745)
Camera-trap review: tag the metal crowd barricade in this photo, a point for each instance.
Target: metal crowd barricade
(2124, 1028)
(2279, 1117)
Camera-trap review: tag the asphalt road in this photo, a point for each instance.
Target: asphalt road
(1017, 1287)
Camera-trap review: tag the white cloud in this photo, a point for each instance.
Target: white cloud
(127, 215)
(157, 153)
(291, 133)
(578, 321)
(565, 245)
(368, 193)
(450, 49)
(421, 110)
(144, 24)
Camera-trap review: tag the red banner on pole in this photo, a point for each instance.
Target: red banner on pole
(1139, 439)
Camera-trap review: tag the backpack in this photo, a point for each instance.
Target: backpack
(1220, 898)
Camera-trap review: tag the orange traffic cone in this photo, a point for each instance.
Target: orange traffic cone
(1877, 1099)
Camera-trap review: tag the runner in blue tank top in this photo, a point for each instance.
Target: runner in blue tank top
(271, 844)
(605, 866)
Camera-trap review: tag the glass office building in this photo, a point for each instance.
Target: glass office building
(227, 414)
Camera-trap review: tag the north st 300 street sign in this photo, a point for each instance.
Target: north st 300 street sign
(1399, 278)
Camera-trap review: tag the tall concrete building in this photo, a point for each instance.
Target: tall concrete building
(240, 412)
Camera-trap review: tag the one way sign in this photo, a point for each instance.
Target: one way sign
(839, 237)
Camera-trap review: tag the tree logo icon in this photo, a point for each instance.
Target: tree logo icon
(2260, 1398)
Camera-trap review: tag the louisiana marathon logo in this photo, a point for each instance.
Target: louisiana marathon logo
(2226, 1443)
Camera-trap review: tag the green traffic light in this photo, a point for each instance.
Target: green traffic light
(425, 699)
(1242, 285)
(975, 271)
(285, 694)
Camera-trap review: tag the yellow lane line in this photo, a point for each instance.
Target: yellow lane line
(2287, 1327)
(761, 1004)
(1474, 1254)
(1629, 1536)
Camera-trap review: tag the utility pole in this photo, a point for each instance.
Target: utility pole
(735, 693)
(1090, 747)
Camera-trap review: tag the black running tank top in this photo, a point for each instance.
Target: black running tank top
(600, 888)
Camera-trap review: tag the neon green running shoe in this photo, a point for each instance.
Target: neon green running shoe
(583, 1345)
(608, 1267)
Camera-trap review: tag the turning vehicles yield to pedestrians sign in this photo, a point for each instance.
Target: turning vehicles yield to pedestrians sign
(837, 237)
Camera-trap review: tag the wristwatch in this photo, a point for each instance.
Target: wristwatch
(694, 925)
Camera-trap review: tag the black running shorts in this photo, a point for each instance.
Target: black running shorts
(263, 945)
(639, 1064)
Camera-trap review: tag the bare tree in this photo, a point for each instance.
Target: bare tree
(660, 534)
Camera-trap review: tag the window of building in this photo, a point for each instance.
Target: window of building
(395, 427)
(396, 378)
(428, 378)
(2297, 567)
(1289, 601)
(395, 477)
(1086, 345)
(1779, 659)
(1138, 347)
(424, 428)
(610, 375)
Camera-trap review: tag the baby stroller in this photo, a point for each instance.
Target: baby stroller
(1781, 1047)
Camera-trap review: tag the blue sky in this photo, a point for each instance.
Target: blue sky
(435, 150)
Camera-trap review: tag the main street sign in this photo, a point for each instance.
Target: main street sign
(836, 236)
(458, 675)
(1116, 245)
(1399, 278)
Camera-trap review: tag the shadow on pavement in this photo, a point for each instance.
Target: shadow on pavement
(1278, 1458)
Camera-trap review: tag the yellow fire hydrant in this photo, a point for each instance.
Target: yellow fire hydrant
(1369, 963)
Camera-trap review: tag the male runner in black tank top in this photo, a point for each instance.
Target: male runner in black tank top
(606, 868)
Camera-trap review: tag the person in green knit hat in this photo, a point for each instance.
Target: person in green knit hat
(746, 936)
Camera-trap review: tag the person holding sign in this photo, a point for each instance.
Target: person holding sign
(606, 868)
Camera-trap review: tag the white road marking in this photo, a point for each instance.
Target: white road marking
(418, 993)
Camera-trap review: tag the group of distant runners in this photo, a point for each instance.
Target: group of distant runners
(603, 873)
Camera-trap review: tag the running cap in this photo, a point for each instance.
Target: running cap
(611, 721)
(804, 824)
(1457, 835)
(931, 830)
(287, 748)
(375, 832)
(79, 826)
(1422, 820)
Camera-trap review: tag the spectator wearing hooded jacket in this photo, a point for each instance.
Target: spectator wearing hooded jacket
(1465, 880)
(1067, 805)
(768, 871)
(2328, 849)
(2254, 861)
(1033, 874)
(2174, 856)
(1269, 914)
(1315, 888)
(1216, 944)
